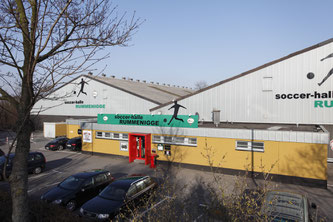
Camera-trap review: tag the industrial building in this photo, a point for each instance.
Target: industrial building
(296, 89)
(88, 95)
(275, 119)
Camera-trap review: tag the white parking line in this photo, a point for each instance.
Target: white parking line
(44, 174)
(39, 188)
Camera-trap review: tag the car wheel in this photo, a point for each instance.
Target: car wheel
(71, 205)
(37, 170)
(61, 147)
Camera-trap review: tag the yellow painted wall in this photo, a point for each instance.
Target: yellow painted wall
(283, 158)
(106, 146)
(60, 129)
(72, 131)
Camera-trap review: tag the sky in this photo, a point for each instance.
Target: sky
(183, 42)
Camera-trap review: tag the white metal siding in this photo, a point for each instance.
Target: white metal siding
(243, 99)
(116, 101)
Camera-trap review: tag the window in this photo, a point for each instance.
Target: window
(110, 135)
(31, 158)
(38, 157)
(175, 140)
(168, 139)
(246, 145)
(131, 191)
(140, 185)
(192, 141)
(157, 138)
(88, 183)
(179, 139)
(148, 181)
(100, 178)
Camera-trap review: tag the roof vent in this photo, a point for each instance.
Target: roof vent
(123, 78)
(174, 85)
(157, 83)
(138, 80)
(90, 73)
(152, 82)
(113, 77)
(168, 84)
(144, 81)
(103, 74)
(164, 84)
(130, 79)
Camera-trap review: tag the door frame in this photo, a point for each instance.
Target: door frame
(132, 147)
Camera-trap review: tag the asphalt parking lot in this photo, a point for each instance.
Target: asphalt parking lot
(61, 164)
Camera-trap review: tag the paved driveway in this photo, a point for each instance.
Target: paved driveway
(61, 164)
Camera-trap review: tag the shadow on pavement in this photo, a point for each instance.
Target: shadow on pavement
(53, 164)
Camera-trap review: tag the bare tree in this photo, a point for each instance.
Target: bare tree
(200, 85)
(43, 42)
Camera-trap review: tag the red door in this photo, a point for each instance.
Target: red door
(139, 147)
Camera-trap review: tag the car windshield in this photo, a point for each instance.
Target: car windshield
(74, 140)
(71, 183)
(114, 192)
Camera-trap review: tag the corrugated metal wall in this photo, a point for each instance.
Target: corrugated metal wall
(115, 101)
(252, 98)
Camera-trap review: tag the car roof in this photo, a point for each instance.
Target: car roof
(129, 179)
(90, 173)
(286, 205)
(13, 154)
(75, 138)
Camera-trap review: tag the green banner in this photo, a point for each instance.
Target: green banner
(149, 120)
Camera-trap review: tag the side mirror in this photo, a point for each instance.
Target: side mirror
(313, 206)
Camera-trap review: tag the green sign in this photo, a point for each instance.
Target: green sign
(149, 120)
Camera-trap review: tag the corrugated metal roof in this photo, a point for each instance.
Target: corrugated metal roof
(151, 91)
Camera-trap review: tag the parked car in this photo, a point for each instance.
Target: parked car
(286, 206)
(120, 196)
(74, 144)
(36, 163)
(58, 143)
(78, 188)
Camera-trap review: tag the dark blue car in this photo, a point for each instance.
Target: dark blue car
(36, 163)
(119, 197)
(78, 188)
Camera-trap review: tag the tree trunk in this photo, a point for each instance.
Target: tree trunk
(19, 177)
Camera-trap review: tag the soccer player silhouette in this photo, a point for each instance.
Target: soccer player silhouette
(329, 73)
(176, 107)
(326, 77)
(82, 86)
